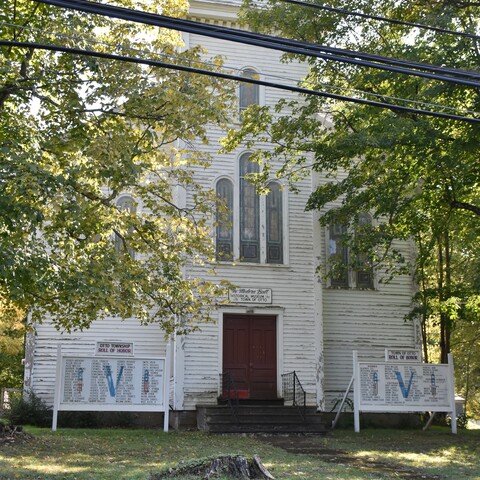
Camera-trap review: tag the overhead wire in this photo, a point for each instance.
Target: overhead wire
(185, 68)
(290, 46)
(230, 68)
(394, 21)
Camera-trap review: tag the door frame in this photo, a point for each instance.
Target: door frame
(277, 312)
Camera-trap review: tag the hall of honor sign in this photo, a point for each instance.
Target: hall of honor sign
(396, 385)
(108, 383)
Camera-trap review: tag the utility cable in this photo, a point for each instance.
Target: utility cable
(382, 19)
(231, 68)
(184, 68)
(241, 36)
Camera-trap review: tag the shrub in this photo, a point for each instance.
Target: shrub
(29, 409)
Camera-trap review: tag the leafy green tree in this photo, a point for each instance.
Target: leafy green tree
(80, 134)
(12, 334)
(419, 176)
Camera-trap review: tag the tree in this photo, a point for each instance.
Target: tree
(94, 158)
(12, 332)
(419, 176)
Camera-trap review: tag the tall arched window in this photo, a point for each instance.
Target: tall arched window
(249, 93)
(125, 203)
(338, 253)
(274, 214)
(249, 213)
(224, 219)
(363, 267)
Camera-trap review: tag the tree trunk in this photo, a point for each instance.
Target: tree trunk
(444, 293)
(441, 297)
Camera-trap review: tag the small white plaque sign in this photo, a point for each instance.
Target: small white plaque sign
(114, 349)
(403, 355)
(250, 295)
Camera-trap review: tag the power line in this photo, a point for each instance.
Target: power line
(230, 68)
(184, 68)
(382, 19)
(276, 43)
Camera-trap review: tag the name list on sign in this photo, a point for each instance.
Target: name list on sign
(114, 348)
(250, 295)
(403, 385)
(103, 381)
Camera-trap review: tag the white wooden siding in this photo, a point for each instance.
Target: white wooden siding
(367, 321)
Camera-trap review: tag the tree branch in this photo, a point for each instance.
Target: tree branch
(465, 206)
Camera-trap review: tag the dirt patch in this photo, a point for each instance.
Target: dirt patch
(308, 445)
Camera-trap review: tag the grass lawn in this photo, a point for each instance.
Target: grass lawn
(127, 454)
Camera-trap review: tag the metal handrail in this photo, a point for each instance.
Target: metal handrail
(295, 393)
(229, 392)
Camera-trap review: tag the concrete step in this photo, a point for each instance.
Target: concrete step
(263, 428)
(258, 419)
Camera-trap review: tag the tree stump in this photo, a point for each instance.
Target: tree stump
(13, 434)
(234, 466)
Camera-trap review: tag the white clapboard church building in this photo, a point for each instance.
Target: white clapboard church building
(284, 316)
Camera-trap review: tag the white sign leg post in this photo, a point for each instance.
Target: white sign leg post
(356, 393)
(166, 388)
(58, 382)
(344, 399)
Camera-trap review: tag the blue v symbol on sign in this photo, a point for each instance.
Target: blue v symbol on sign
(112, 388)
(405, 391)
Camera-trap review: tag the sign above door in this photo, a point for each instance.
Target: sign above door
(250, 295)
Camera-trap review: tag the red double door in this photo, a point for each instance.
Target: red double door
(250, 354)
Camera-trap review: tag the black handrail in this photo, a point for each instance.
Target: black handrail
(294, 392)
(229, 392)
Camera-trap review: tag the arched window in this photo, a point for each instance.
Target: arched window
(363, 267)
(249, 213)
(249, 227)
(274, 214)
(125, 203)
(249, 93)
(338, 253)
(224, 219)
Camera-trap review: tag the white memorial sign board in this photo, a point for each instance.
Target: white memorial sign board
(403, 387)
(112, 384)
(391, 387)
(109, 383)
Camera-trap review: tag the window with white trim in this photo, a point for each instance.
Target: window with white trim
(125, 203)
(248, 93)
(224, 219)
(255, 232)
(274, 220)
(346, 268)
(249, 212)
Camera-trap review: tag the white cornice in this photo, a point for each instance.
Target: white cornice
(225, 10)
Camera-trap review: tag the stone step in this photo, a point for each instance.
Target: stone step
(256, 409)
(265, 428)
(258, 419)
